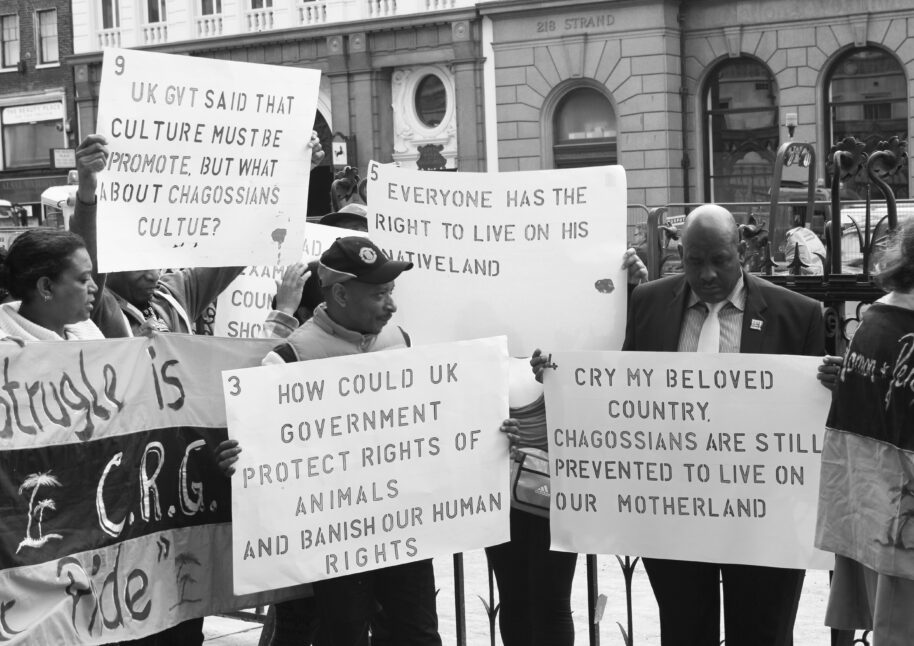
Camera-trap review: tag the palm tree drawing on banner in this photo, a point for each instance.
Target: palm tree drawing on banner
(34, 482)
(183, 562)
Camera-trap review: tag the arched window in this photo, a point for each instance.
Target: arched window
(741, 131)
(584, 130)
(867, 99)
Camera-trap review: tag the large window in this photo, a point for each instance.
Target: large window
(47, 36)
(155, 11)
(867, 99)
(29, 132)
(584, 130)
(110, 17)
(741, 131)
(261, 4)
(9, 37)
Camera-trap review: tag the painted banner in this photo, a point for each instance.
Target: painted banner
(366, 461)
(535, 255)
(699, 457)
(114, 518)
(209, 162)
(243, 306)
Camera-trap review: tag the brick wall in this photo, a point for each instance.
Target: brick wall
(37, 80)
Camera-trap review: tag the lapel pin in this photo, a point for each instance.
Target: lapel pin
(755, 324)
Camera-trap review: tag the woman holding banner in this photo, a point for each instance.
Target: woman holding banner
(50, 272)
(866, 493)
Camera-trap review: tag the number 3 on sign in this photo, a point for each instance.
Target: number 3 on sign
(235, 383)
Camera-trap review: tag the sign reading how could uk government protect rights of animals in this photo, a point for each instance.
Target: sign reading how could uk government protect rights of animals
(700, 457)
(209, 161)
(367, 461)
(536, 254)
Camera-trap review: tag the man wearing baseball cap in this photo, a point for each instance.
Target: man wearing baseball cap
(357, 281)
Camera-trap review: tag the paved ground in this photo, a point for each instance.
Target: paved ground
(809, 630)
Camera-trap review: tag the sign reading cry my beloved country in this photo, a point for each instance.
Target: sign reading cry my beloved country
(535, 254)
(700, 457)
(209, 161)
(367, 461)
(114, 518)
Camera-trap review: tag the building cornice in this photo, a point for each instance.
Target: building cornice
(292, 34)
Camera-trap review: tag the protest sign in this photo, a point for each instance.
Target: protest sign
(242, 307)
(115, 520)
(534, 255)
(367, 461)
(700, 457)
(208, 164)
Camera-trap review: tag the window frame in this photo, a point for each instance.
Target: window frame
(216, 8)
(41, 39)
(709, 114)
(570, 153)
(161, 7)
(115, 14)
(11, 64)
(867, 101)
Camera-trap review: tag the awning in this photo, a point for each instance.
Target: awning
(28, 190)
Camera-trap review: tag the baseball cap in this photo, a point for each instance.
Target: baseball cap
(358, 258)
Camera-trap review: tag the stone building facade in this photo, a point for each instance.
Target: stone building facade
(692, 97)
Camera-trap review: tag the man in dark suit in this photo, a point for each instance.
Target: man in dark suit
(752, 315)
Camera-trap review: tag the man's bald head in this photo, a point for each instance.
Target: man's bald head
(711, 252)
(711, 219)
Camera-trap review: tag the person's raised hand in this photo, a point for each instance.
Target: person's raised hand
(511, 428)
(288, 291)
(91, 158)
(829, 371)
(317, 153)
(539, 362)
(632, 263)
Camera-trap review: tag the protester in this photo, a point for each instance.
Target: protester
(534, 582)
(867, 480)
(145, 301)
(50, 273)
(715, 307)
(138, 302)
(357, 279)
(299, 292)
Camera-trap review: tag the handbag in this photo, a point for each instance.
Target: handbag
(530, 481)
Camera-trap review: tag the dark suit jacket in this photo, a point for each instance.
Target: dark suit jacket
(790, 323)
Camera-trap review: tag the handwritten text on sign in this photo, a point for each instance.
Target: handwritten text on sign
(720, 451)
(367, 461)
(536, 254)
(209, 161)
(242, 307)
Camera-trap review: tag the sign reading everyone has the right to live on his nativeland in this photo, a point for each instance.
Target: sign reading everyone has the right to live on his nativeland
(367, 461)
(687, 456)
(536, 255)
